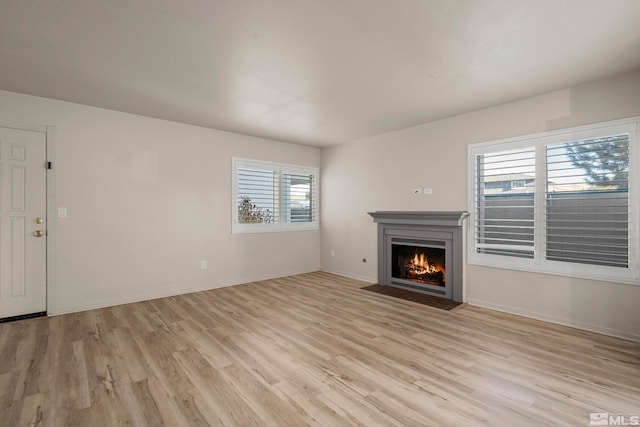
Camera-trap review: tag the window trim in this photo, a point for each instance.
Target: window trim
(279, 225)
(539, 263)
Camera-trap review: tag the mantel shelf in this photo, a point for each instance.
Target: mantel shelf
(439, 218)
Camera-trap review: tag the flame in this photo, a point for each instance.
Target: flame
(420, 265)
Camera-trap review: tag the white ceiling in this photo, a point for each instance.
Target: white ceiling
(315, 72)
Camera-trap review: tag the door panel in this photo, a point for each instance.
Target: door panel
(23, 255)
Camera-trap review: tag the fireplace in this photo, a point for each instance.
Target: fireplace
(421, 251)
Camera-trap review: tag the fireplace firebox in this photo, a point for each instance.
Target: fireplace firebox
(421, 251)
(421, 264)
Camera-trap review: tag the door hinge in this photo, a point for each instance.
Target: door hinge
(49, 165)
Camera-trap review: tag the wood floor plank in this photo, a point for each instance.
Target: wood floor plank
(259, 397)
(223, 399)
(313, 411)
(34, 411)
(143, 406)
(312, 349)
(167, 405)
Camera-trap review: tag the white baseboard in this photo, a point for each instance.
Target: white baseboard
(557, 320)
(161, 294)
(350, 276)
(128, 300)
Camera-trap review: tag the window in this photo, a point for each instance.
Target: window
(562, 202)
(273, 197)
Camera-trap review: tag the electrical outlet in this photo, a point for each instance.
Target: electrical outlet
(62, 212)
(428, 191)
(203, 264)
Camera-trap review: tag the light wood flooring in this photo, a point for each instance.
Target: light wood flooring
(312, 349)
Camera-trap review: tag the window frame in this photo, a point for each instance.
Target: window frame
(280, 225)
(539, 263)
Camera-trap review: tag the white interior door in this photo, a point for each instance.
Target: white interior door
(23, 226)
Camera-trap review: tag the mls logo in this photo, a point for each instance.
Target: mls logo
(599, 419)
(607, 419)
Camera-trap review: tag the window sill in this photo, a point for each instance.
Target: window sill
(272, 228)
(535, 268)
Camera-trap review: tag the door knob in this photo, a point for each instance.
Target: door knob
(38, 233)
(39, 220)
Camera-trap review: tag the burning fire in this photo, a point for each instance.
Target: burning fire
(420, 265)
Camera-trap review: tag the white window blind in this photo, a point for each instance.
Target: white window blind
(504, 212)
(574, 210)
(273, 197)
(298, 197)
(257, 196)
(587, 201)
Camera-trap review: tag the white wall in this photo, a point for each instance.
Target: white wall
(147, 200)
(379, 173)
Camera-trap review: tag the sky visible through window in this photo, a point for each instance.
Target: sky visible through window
(606, 157)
